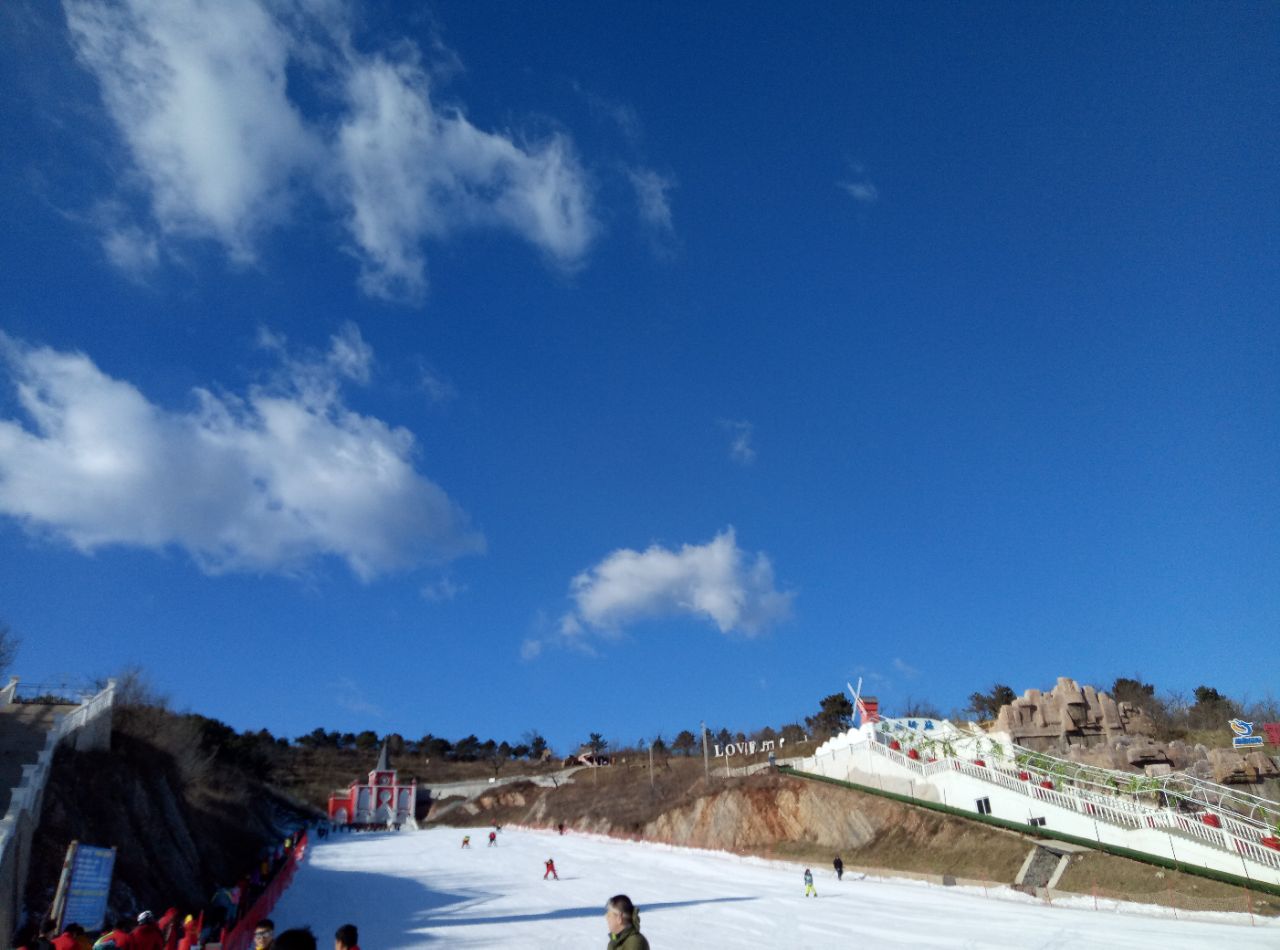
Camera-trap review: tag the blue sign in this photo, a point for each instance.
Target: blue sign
(90, 880)
(1244, 737)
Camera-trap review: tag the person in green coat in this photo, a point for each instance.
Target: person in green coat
(624, 930)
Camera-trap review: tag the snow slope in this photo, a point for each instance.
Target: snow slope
(420, 889)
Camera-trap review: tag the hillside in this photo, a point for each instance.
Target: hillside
(185, 816)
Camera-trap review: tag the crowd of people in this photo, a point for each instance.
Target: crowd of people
(167, 933)
(173, 930)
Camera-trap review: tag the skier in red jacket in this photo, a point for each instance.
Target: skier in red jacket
(551, 870)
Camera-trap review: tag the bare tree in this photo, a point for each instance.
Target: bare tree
(9, 643)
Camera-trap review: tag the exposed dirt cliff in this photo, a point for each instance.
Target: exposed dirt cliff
(764, 814)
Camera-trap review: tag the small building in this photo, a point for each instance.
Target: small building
(381, 800)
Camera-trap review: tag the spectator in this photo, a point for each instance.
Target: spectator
(264, 934)
(146, 936)
(69, 938)
(48, 930)
(624, 930)
(114, 937)
(190, 932)
(169, 928)
(296, 938)
(347, 938)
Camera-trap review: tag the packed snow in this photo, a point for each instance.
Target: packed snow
(422, 889)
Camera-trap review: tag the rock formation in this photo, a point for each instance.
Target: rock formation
(1070, 715)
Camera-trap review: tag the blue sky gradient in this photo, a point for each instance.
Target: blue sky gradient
(585, 369)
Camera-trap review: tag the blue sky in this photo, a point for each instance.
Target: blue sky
(585, 368)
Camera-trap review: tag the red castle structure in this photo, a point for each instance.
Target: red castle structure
(382, 800)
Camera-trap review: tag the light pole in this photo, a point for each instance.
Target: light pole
(706, 756)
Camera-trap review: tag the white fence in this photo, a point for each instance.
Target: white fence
(87, 726)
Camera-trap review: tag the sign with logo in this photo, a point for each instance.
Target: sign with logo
(1245, 738)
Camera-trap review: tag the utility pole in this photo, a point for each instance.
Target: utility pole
(651, 766)
(706, 755)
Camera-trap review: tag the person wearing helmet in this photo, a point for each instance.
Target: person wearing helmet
(551, 870)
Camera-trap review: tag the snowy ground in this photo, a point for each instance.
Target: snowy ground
(420, 889)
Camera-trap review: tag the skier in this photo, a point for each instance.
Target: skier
(839, 866)
(551, 869)
(809, 890)
(466, 841)
(493, 838)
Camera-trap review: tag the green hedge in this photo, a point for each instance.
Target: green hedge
(1048, 833)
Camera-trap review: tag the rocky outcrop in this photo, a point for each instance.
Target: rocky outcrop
(1087, 726)
(1070, 716)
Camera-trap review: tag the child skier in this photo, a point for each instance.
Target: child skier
(809, 890)
(551, 869)
(493, 838)
(466, 841)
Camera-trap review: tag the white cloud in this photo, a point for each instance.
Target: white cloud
(198, 90)
(203, 96)
(413, 171)
(651, 196)
(716, 581)
(741, 432)
(264, 482)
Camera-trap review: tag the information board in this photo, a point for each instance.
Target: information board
(88, 885)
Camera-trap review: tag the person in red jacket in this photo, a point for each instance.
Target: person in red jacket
(170, 929)
(146, 936)
(67, 940)
(551, 870)
(115, 937)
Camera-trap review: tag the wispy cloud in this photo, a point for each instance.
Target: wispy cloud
(741, 445)
(203, 96)
(716, 581)
(351, 697)
(905, 668)
(442, 589)
(652, 198)
(859, 187)
(264, 482)
(440, 391)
